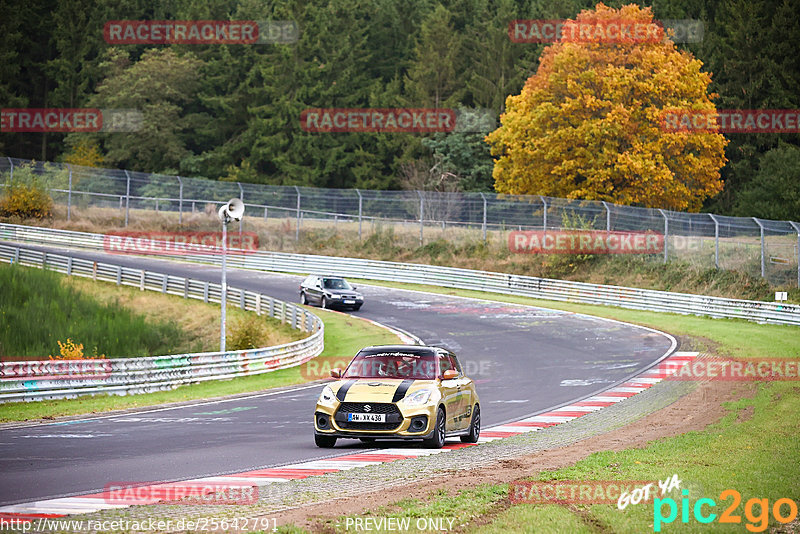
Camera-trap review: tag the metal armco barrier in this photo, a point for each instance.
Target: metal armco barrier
(511, 284)
(58, 379)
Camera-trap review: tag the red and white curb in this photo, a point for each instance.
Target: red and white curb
(154, 494)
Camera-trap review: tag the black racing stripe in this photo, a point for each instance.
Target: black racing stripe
(343, 390)
(400, 392)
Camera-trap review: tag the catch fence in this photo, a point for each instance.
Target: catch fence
(761, 247)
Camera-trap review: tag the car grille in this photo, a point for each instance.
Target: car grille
(393, 416)
(375, 407)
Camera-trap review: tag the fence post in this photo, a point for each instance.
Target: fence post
(608, 216)
(716, 240)
(421, 211)
(360, 202)
(297, 223)
(127, 196)
(483, 227)
(241, 197)
(763, 263)
(666, 235)
(544, 218)
(69, 193)
(797, 229)
(180, 200)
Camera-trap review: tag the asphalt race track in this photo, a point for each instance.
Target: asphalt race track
(524, 359)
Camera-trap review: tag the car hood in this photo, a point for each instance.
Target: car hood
(377, 389)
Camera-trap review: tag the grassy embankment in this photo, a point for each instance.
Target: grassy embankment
(38, 308)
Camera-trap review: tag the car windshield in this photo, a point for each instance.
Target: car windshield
(392, 365)
(336, 283)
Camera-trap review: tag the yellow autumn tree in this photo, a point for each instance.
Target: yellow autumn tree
(588, 124)
(84, 152)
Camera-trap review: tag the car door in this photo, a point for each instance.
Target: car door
(450, 393)
(315, 290)
(464, 386)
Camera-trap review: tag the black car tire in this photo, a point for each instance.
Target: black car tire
(356, 308)
(437, 440)
(324, 442)
(303, 298)
(474, 427)
(323, 303)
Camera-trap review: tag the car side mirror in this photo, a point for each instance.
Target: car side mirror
(450, 374)
(336, 372)
(355, 287)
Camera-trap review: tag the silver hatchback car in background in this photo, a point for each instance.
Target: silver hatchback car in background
(330, 292)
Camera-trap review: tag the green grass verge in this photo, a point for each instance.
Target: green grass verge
(37, 310)
(753, 449)
(344, 335)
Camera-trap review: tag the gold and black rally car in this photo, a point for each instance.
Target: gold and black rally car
(399, 392)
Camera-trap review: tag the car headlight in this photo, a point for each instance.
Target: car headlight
(334, 296)
(327, 397)
(421, 397)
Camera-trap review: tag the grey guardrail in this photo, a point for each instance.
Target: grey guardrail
(511, 284)
(58, 379)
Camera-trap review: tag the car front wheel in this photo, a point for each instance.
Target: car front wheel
(303, 299)
(474, 427)
(324, 303)
(437, 440)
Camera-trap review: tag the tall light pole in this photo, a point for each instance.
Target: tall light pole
(233, 210)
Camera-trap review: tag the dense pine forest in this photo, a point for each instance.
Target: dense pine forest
(232, 112)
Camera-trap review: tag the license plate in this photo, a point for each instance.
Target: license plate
(349, 302)
(366, 417)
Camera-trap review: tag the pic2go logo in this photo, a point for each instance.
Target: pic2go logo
(757, 523)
